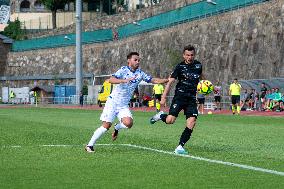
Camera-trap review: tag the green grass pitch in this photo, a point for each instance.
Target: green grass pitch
(247, 140)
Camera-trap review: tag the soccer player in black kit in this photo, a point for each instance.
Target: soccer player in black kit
(188, 73)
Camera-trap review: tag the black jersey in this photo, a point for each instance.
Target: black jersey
(188, 76)
(263, 92)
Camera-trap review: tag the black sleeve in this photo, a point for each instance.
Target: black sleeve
(174, 74)
(201, 67)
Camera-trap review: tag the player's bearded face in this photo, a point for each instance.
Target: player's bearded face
(188, 56)
(134, 62)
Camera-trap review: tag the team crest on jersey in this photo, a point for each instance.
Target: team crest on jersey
(137, 79)
(174, 105)
(197, 66)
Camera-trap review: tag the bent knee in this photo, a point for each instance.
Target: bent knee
(128, 123)
(170, 120)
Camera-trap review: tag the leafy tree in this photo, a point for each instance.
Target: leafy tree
(85, 90)
(53, 6)
(14, 31)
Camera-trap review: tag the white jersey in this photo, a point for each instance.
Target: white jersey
(123, 92)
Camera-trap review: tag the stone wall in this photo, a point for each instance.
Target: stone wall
(246, 44)
(4, 49)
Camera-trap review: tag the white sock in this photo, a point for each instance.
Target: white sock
(97, 134)
(120, 126)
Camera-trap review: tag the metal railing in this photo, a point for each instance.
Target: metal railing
(74, 100)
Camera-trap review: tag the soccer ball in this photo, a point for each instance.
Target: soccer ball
(205, 87)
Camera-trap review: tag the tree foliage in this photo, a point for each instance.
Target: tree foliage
(85, 90)
(14, 31)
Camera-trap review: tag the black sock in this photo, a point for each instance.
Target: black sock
(163, 117)
(115, 131)
(185, 136)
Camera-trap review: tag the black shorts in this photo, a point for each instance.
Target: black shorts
(236, 99)
(158, 96)
(200, 100)
(187, 104)
(217, 98)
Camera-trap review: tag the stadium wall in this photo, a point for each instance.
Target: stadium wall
(246, 44)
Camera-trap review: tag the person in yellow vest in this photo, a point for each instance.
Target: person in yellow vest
(12, 96)
(235, 92)
(158, 90)
(35, 97)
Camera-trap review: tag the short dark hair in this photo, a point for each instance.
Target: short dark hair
(189, 48)
(131, 54)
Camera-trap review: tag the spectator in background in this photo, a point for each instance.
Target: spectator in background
(12, 96)
(145, 100)
(281, 103)
(267, 100)
(263, 90)
(235, 92)
(277, 99)
(270, 96)
(81, 98)
(257, 102)
(244, 100)
(158, 90)
(217, 96)
(251, 97)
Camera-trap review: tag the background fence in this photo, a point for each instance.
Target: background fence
(74, 100)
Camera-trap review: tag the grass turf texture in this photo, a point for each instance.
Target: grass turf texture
(255, 141)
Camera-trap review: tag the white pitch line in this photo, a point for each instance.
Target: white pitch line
(211, 160)
(171, 153)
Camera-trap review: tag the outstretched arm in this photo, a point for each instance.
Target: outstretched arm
(159, 80)
(167, 90)
(114, 80)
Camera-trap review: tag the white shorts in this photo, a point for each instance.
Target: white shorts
(113, 110)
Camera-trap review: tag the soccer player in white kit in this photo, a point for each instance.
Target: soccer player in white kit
(127, 78)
